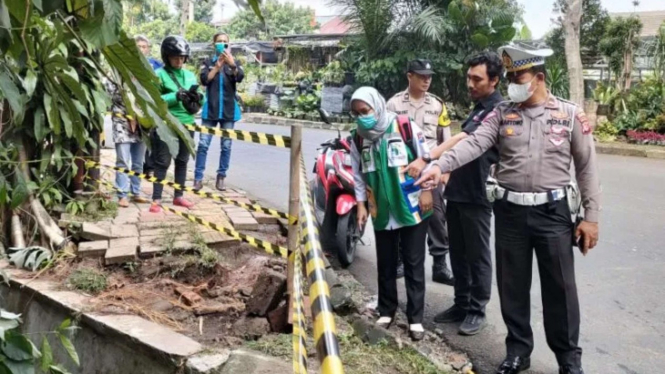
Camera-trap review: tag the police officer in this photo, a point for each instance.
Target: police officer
(538, 136)
(431, 115)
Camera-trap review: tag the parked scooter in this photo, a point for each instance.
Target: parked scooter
(334, 197)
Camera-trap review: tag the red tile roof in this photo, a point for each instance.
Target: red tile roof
(334, 26)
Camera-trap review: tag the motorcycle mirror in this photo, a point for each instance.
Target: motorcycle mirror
(325, 117)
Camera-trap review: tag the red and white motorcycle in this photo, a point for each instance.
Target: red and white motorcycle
(334, 198)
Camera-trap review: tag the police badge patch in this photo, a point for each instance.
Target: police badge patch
(584, 121)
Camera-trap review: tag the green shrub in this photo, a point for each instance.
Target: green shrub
(88, 280)
(606, 131)
(256, 101)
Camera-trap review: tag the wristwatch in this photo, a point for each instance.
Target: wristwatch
(426, 157)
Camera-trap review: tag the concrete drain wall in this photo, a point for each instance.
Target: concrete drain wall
(113, 344)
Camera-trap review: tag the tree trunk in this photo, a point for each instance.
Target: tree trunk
(627, 76)
(571, 24)
(184, 16)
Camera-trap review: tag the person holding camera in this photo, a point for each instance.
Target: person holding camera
(180, 91)
(221, 75)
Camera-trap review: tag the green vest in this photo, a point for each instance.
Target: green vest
(385, 194)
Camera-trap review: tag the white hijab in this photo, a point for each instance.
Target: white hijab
(385, 118)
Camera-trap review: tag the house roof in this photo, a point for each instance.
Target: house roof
(335, 25)
(651, 21)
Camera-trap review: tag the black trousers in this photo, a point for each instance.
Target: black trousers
(548, 230)
(470, 256)
(162, 160)
(148, 164)
(412, 241)
(437, 233)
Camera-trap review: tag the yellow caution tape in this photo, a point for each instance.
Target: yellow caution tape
(254, 206)
(268, 247)
(248, 136)
(325, 332)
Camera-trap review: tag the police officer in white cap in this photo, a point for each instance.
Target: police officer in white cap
(538, 135)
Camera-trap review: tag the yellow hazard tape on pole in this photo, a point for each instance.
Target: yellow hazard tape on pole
(210, 195)
(268, 247)
(247, 136)
(299, 329)
(325, 332)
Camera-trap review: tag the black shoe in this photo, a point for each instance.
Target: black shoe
(220, 183)
(568, 369)
(472, 324)
(441, 273)
(400, 270)
(451, 315)
(514, 365)
(198, 186)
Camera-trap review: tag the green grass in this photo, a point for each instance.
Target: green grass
(357, 357)
(88, 280)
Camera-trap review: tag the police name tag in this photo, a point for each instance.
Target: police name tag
(397, 155)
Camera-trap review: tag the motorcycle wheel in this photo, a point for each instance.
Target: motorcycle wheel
(348, 235)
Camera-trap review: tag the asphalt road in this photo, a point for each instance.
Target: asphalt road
(621, 283)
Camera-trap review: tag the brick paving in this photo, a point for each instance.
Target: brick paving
(137, 233)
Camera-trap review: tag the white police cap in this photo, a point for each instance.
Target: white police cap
(519, 57)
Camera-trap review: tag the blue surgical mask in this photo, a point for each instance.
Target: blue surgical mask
(220, 47)
(366, 122)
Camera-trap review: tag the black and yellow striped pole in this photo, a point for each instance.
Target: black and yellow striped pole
(325, 332)
(253, 206)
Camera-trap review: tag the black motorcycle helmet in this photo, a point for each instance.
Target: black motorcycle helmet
(174, 45)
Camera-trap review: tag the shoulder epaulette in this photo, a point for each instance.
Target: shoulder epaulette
(436, 97)
(566, 101)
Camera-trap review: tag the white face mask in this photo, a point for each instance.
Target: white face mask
(520, 93)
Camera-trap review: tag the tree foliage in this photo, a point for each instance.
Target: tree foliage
(199, 32)
(143, 11)
(446, 32)
(202, 10)
(618, 45)
(53, 98)
(592, 28)
(280, 19)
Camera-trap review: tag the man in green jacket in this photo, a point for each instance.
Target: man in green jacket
(183, 101)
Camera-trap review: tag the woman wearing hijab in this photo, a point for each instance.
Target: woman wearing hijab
(399, 210)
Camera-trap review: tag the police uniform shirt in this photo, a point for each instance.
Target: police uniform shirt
(467, 184)
(429, 114)
(536, 146)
